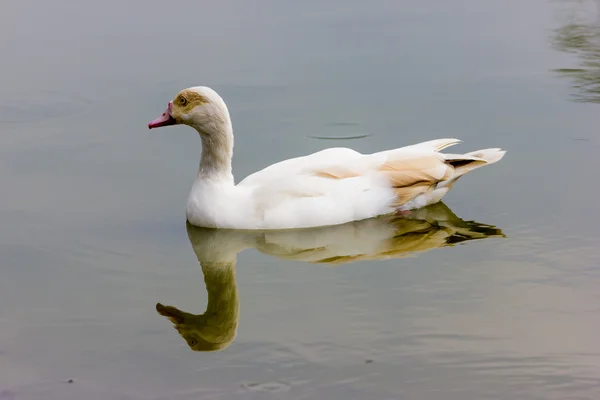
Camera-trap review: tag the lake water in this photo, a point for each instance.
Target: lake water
(501, 299)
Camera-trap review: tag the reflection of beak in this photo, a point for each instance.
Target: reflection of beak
(165, 119)
(173, 314)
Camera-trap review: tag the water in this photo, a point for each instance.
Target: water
(93, 231)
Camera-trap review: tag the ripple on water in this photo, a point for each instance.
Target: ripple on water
(271, 387)
(341, 131)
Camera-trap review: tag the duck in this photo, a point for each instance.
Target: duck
(329, 187)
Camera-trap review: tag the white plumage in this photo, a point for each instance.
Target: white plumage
(330, 187)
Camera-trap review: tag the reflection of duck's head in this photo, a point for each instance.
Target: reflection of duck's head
(217, 327)
(379, 238)
(200, 331)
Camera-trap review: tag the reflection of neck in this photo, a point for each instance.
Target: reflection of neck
(223, 302)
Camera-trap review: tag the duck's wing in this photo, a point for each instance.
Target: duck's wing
(340, 161)
(341, 176)
(327, 158)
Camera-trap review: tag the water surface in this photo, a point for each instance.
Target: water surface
(493, 294)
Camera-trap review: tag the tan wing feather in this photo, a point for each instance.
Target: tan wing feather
(416, 169)
(412, 175)
(336, 174)
(409, 176)
(407, 193)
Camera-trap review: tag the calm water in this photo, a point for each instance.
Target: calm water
(93, 230)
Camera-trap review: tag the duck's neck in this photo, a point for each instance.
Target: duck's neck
(217, 152)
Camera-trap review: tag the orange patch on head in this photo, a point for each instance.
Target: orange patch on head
(190, 98)
(185, 101)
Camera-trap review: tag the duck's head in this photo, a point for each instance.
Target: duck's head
(199, 107)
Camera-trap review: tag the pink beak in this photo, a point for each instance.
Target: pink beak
(165, 119)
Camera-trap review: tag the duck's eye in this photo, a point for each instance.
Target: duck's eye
(193, 342)
(182, 100)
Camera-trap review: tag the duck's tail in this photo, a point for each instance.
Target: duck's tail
(464, 163)
(489, 155)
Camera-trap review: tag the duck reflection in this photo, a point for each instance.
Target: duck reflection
(385, 237)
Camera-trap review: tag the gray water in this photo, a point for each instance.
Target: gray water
(501, 299)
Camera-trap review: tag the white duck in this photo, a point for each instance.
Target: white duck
(329, 187)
